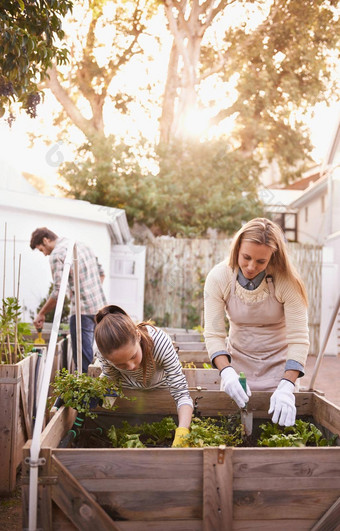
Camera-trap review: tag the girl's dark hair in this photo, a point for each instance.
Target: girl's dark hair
(115, 329)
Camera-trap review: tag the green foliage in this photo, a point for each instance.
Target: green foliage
(153, 434)
(28, 31)
(83, 392)
(107, 173)
(13, 346)
(284, 65)
(49, 315)
(213, 432)
(202, 185)
(203, 432)
(301, 434)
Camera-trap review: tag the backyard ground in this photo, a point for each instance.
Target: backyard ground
(327, 381)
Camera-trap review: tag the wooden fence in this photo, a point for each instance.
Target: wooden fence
(176, 270)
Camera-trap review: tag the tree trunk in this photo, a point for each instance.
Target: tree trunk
(169, 99)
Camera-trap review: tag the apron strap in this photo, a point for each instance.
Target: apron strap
(269, 280)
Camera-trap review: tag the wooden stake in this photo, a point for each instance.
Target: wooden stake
(4, 272)
(13, 266)
(16, 316)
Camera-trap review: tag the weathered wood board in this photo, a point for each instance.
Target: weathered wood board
(16, 399)
(205, 379)
(195, 489)
(19, 385)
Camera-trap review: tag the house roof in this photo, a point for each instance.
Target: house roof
(15, 194)
(278, 199)
(310, 177)
(316, 190)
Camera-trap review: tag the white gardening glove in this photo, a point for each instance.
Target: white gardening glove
(230, 384)
(282, 403)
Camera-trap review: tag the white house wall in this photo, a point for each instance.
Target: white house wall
(334, 211)
(312, 224)
(35, 275)
(330, 293)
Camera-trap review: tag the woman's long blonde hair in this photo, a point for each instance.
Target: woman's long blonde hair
(264, 231)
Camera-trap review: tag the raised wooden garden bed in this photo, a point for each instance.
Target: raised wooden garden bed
(206, 379)
(189, 489)
(18, 400)
(17, 385)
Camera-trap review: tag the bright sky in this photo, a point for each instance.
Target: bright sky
(43, 160)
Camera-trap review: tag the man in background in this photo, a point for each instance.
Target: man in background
(91, 276)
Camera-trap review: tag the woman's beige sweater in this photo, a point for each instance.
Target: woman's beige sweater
(216, 295)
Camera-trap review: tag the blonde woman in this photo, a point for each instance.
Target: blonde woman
(265, 301)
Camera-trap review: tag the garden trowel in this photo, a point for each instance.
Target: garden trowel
(246, 416)
(40, 340)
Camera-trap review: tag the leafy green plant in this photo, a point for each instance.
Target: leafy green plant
(142, 435)
(13, 346)
(83, 392)
(213, 432)
(203, 432)
(301, 434)
(50, 315)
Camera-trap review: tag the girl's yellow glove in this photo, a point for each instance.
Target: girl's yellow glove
(180, 440)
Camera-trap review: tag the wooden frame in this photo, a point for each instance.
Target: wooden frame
(17, 396)
(16, 399)
(189, 489)
(206, 379)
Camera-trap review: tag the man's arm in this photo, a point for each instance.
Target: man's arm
(40, 318)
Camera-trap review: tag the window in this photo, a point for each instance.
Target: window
(288, 223)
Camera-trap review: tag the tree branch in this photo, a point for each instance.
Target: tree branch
(64, 99)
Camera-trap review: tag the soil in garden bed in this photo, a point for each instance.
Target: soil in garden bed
(93, 434)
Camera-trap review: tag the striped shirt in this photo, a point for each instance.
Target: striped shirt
(92, 297)
(165, 373)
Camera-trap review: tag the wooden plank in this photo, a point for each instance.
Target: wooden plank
(326, 414)
(277, 483)
(77, 504)
(207, 379)
(209, 403)
(330, 521)
(141, 484)
(193, 346)
(148, 505)
(217, 489)
(162, 525)
(44, 492)
(196, 356)
(9, 395)
(137, 484)
(272, 525)
(58, 426)
(263, 463)
(24, 404)
(136, 463)
(279, 504)
(60, 520)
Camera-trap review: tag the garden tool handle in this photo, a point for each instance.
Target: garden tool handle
(243, 381)
(324, 344)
